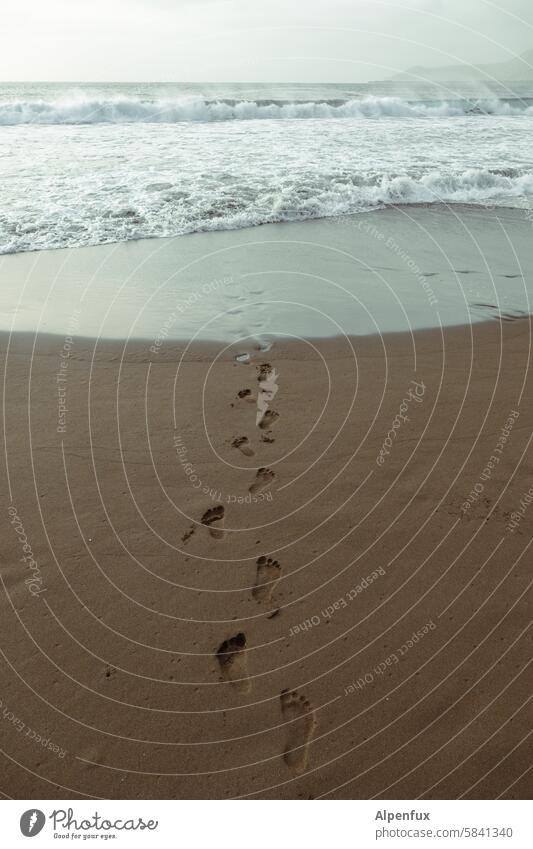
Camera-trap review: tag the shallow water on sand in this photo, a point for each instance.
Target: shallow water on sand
(392, 270)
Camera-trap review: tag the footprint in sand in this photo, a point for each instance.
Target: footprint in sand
(263, 371)
(214, 520)
(297, 711)
(233, 662)
(247, 395)
(263, 480)
(243, 444)
(268, 419)
(268, 574)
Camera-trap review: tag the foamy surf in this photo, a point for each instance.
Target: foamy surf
(148, 161)
(100, 217)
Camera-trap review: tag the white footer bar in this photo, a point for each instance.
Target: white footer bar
(264, 824)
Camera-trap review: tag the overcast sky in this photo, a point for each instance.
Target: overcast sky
(253, 40)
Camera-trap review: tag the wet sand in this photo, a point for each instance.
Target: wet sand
(393, 270)
(334, 604)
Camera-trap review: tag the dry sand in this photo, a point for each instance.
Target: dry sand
(310, 612)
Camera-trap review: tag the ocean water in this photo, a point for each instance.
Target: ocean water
(95, 164)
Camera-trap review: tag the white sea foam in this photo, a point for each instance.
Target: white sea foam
(97, 217)
(120, 162)
(127, 110)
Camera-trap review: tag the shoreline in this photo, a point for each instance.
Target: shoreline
(140, 350)
(390, 270)
(396, 207)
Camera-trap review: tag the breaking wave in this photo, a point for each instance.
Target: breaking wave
(94, 217)
(84, 110)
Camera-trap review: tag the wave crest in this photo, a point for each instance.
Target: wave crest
(85, 110)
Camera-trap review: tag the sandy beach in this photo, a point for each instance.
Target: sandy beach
(329, 602)
(266, 502)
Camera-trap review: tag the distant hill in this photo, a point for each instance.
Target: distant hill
(513, 71)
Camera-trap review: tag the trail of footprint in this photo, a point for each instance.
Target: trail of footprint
(268, 574)
(263, 480)
(243, 444)
(214, 520)
(268, 419)
(298, 711)
(234, 663)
